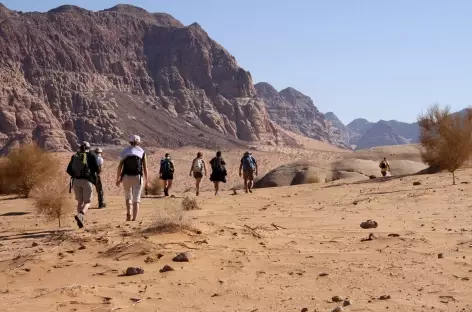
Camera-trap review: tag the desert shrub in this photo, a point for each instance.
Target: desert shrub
(5, 187)
(52, 200)
(156, 186)
(190, 204)
(169, 219)
(446, 138)
(28, 167)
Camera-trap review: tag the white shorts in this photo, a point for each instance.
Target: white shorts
(133, 186)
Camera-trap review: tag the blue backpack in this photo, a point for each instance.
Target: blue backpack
(249, 163)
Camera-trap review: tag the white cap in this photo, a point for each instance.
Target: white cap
(98, 150)
(86, 144)
(135, 139)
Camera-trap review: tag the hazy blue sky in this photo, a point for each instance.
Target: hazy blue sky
(358, 58)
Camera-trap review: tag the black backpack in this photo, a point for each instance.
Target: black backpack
(79, 167)
(132, 166)
(383, 165)
(217, 165)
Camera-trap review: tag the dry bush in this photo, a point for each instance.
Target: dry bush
(52, 200)
(190, 204)
(169, 219)
(156, 186)
(28, 167)
(5, 187)
(446, 139)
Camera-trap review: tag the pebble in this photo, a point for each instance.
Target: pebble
(338, 309)
(347, 302)
(385, 297)
(337, 299)
(440, 255)
(34, 244)
(305, 310)
(417, 183)
(183, 257)
(166, 268)
(133, 271)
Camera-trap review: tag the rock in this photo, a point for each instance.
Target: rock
(393, 235)
(304, 310)
(440, 256)
(34, 244)
(347, 302)
(133, 271)
(372, 177)
(166, 268)
(183, 257)
(416, 183)
(338, 309)
(385, 297)
(323, 274)
(82, 247)
(337, 298)
(369, 224)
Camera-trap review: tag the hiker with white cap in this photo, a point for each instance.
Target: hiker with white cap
(133, 172)
(83, 169)
(98, 184)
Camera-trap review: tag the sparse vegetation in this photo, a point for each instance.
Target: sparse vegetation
(26, 168)
(190, 204)
(52, 200)
(156, 186)
(170, 219)
(446, 139)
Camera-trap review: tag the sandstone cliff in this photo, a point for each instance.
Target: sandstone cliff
(71, 74)
(294, 111)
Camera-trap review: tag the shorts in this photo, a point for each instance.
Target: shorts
(133, 186)
(83, 190)
(197, 175)
(167, 176)
(248, 175)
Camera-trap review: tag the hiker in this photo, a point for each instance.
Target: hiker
(197, 168)
(166, 173)
(98, 184)
(384, 167)
(249, 171)
(218, 171)
(83, 169)
(133, 172)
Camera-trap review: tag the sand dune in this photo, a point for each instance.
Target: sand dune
(281, 249)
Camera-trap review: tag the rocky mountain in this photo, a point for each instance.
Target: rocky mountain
(294, 111)
(71, 74)
(338, 130)
(380, 134)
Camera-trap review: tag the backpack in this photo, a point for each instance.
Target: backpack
(383, 165)
(248, 163)
(198, 165)
(133, 166)
(79, 168)
(166, 166)
(217, 165)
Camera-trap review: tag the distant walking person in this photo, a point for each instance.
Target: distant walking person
(198, 168)
(218, 171)
(83, 169)
(166, 173)
(133, 172)
(98, 184)
(384, 167)
(249, 171)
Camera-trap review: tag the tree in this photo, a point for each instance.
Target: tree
(446, 138)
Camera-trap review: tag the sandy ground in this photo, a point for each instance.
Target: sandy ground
(299, 234)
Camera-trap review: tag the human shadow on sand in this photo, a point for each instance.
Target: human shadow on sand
(14, 214)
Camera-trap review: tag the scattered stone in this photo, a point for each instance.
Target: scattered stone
(323, 274)
(393, 235)
(338, 309)
(372, 177)
(82, 247)
(355, 202)
(215, 295)
(347, 302)
(440, 256)
(183, 257)
(166, 268)
(136, 300)
(133, 271)
(385, 297)
(416, 183)
(369, 224)
(337, 299)
(198, 232)
(370, 238)
(34, 244)
(304, 310)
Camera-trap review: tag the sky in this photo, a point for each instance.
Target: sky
(357, 58)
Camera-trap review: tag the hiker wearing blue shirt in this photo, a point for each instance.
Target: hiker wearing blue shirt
(248, 170)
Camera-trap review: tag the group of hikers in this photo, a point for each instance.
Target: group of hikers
(85, 168)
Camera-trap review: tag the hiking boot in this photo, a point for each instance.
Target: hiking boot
(166, 192)
(80, 220)
(102, 205)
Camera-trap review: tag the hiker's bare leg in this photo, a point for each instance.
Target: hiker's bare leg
(197, 185)
(128, 208)
(216, 188)
(79, 206)
(169, 184)
(85, 208)
(245, 185)
(250, 184)
(135, 211)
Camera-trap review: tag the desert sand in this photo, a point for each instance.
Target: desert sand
(278, 249)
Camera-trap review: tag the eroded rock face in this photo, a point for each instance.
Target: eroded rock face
(71, 75)
(294, 111)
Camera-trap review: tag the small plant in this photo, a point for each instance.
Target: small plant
(170, 219)
(446, 139)
(52, 200)
(156, 186)
(190, 204)
(26, 168)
